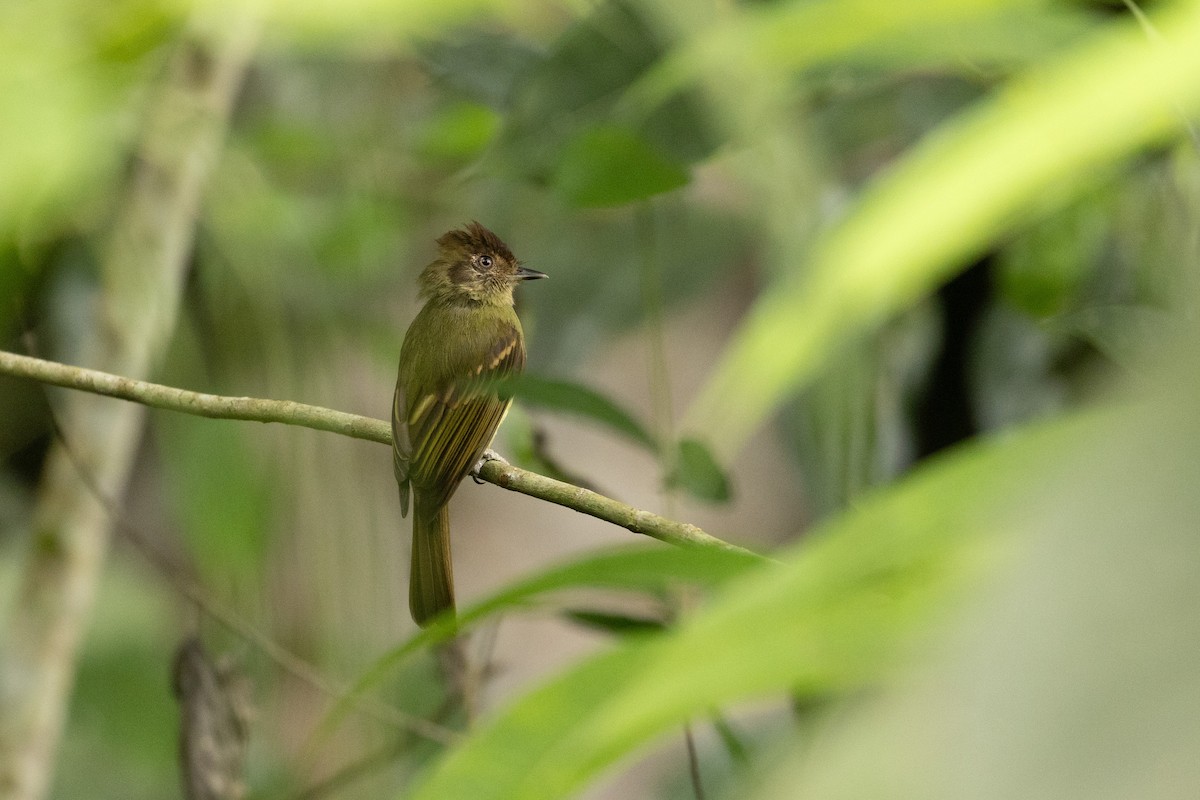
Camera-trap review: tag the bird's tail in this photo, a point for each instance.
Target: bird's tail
(431, 582)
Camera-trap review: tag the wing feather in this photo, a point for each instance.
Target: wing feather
(441, 430)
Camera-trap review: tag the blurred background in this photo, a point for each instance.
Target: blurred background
(673, 167)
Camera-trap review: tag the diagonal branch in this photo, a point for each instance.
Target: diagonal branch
(254, 409)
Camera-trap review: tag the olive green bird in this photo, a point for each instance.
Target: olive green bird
(446, 410)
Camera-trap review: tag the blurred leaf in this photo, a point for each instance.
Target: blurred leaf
(614, 624)
(458, 133)
(792, 36)
(594, 262)
(865, 121)
(577, 89)
(731, 741)
(1090, 627)
(611, 167)
(1126, 334)
(528, 446)
(697, 472)
(486, 65)
(69, 73)
(560, 395)
(848, 603)
(642, 569)
(1035, 141)
(1043, 270)
(595, 57)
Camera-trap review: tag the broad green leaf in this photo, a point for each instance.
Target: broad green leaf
(613, 623)
(1039, 138)
(610, 167)
(525, 445)
(698, 473)
(576, 398)
(846, 605)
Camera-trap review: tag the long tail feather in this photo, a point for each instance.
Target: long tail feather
(431, 582)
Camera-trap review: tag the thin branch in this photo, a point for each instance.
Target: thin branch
(205, 405)
(585, 501)
(495, 470)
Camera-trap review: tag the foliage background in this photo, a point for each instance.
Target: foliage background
(823, 242)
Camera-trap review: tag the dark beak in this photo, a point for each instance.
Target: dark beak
(527, 274)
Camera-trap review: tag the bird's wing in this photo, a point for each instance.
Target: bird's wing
(441, 430)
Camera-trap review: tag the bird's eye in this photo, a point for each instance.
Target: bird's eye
(485, 261)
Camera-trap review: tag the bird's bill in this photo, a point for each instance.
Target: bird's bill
(527, 274)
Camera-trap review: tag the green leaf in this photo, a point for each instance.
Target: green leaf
(645, 569)
(578, 86)
(562, 395)
(1037, 139)
(1100, 598)
(615, 624)
(480, 64)
(1042, 271)
(612, 167)
(697, 472)
(458, 133)
(846, 605)
(732, 741)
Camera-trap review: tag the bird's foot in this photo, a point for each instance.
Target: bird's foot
(488, 455)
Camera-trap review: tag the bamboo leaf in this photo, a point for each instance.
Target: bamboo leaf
(844, 606)
(1045, 134)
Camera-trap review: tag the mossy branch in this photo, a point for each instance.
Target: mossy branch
(495, 470)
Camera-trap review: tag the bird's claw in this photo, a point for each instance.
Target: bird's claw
(488, 455)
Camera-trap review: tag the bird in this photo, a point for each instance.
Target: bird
(446, 406)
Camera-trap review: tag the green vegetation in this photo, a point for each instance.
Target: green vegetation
(903, 295)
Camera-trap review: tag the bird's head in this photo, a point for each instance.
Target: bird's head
(474, 266)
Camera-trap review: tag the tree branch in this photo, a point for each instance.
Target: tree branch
(496, 471)
(216, 406)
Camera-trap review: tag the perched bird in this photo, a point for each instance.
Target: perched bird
(446, 409)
